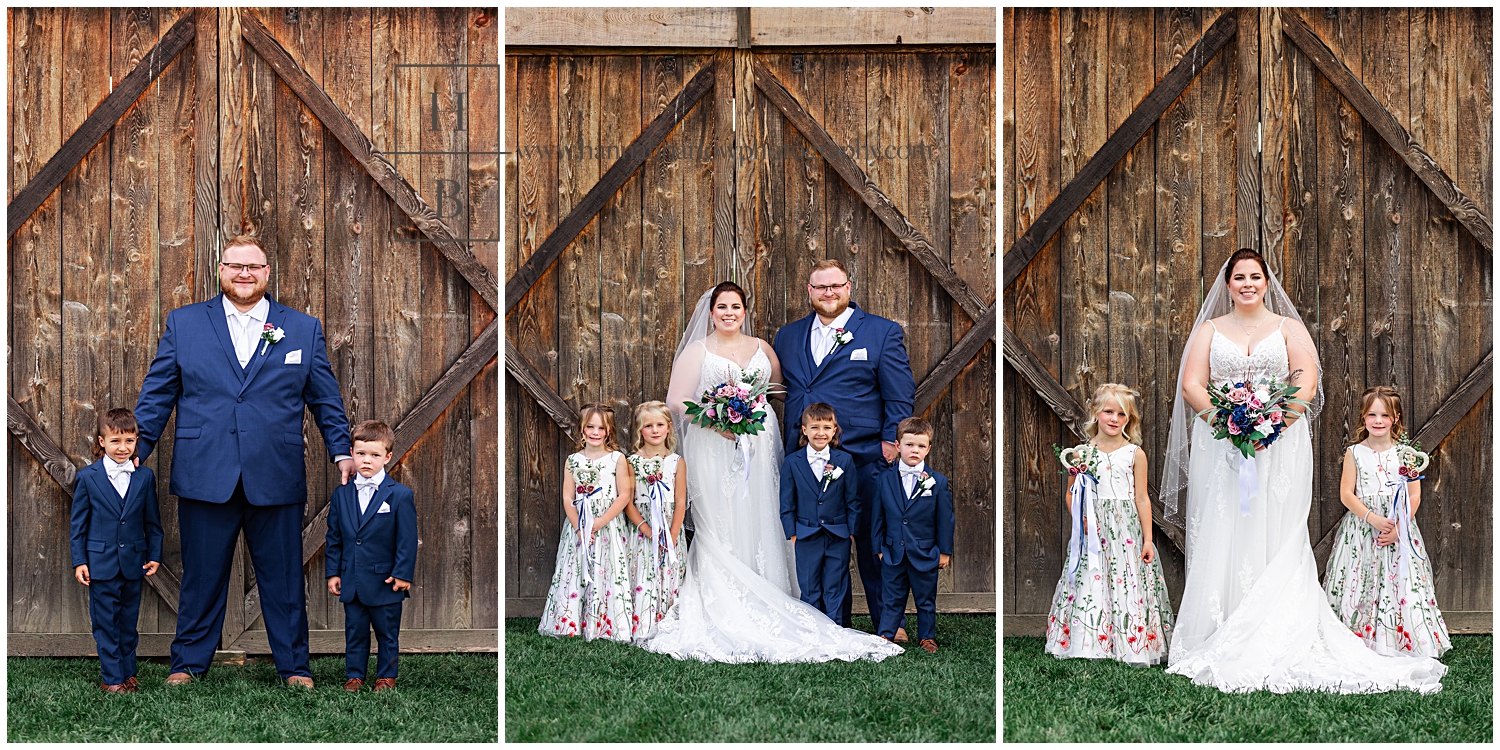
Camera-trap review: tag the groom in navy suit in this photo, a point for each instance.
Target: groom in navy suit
(856, 362)
(239, 369)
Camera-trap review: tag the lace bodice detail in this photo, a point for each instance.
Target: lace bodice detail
(1117, 475)
(1227, 361)
(717, 369)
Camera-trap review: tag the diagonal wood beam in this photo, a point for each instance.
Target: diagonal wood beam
(416, 422)
(618, 174)
(60, 468)
(1120, 142)
(952, 363)
(1072, 414)
(536, 385)
(381, 170)
(1438, 427)
(911, 238)
(1397, 137)
(98, 123)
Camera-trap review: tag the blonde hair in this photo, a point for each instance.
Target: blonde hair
(606, 413)
(1126, 397)
(1392, 400)
(659, 408)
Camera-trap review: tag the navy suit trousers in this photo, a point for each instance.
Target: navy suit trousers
(923, 586)
(823, 572)
(209, 532)
(866, 550)
(114, 608)
(358, 619)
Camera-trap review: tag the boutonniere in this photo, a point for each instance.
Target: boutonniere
(270, 334)
(841, 336)
(830, 473)
(925, 482)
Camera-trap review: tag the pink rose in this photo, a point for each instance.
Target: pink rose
(1234, 429)
(1255, 403)
(1239, 395)
(735, 418)
(710, 413)
(1276, 417)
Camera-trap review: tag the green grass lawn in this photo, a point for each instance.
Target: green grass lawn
(569, 690)
(1078, 700)
(439, 698)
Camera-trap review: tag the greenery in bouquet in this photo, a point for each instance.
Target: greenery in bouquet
(1250, 411)
(735, 406)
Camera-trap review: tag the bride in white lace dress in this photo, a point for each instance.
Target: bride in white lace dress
(1253, 616)
(738, 601)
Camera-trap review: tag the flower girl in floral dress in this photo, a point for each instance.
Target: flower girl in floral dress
(1111, 602)
(658, 556)
(1379, 578)
(590, 592)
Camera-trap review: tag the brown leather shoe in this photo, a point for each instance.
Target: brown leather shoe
(901, 635)
(300, 681)
(929, 645)
(353, 685)
(179, 678)
(130, 682)
(108, 688)
(385, 683)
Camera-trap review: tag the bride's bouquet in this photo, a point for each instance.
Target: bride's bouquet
(1250, 411)
(736, 406)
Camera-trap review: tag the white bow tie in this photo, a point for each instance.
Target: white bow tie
(820, 455)
(911, 470)
(363, 482)
(114, 470)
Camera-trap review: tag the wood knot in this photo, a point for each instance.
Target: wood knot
(482, 20)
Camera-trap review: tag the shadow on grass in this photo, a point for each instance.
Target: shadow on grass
(1078, 700)
(570, 690)
(439, 698)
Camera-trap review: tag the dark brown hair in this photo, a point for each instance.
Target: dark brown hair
(1245, 253)
(375, 431)
(826, 264)
(819, 410)
(605, 412)
(914, 426)
(727, 286)
(114, 420)
(1392, 400)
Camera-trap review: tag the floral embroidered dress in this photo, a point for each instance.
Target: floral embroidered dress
(1113, 606)
(1392, 613)
(590, 593)
(656, 572)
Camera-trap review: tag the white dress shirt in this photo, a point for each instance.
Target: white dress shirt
(910, 475)
(119, 474)
(817, 459)
(822, 336)
(245, 328)
(367, 487)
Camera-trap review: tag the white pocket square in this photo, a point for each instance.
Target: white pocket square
(386, 507)
(293, 357)
(858, 355)
(927, 493)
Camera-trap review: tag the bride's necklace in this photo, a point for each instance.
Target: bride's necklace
(1250, 329)
(733, 350)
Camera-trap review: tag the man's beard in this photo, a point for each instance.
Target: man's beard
(842, 306)
(233, 295)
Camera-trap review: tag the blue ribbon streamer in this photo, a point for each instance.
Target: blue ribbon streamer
(585, 530)
(1401, 509)
(1082, 504)
(659, 525)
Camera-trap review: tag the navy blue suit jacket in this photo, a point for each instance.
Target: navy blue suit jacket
(806, 507)
(364, 550)
(914, 529)
(111, 535)
(871, 396)
(235, 423)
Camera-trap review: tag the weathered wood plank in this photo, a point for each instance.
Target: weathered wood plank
(1120, 142)
(971, 205)
(1378, 112)
(132, 84)
(1219, 101)
(618, 174)
(484, 390)
(1272, 137)
(1303, 205)
(621, 27)
(513, 405)
(232, 74)
(770, 218)
(1084, 249)
(825, 27)
(660, 262)
(1248, 135)
(724, 166)
(620, 244)
(849, 227)
(579, 139)
(385, 174)
(911, 238)
(887, 293)
(697, 134)
(747, 185)
(206, 237)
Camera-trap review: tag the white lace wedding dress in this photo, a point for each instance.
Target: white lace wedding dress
(738, 601)
(1253, 616)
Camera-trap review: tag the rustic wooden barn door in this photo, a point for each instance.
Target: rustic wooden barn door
(361, 147)
(744, 162)
(1351, 147)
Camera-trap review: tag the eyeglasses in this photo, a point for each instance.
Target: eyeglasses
(241, 267)
(829, 287)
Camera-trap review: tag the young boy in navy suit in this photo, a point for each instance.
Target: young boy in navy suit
(372, 554)
(913, 523)
(115, 542)
(819, 510)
